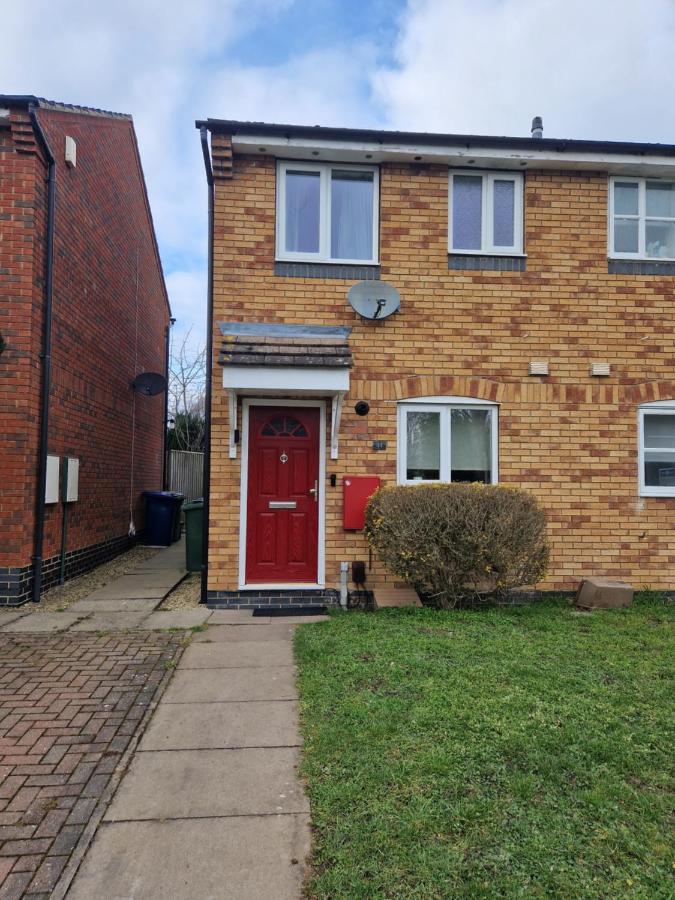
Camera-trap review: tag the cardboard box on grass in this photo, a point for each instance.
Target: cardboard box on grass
(603, 593)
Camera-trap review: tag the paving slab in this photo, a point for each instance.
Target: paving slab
(157, 567)
(120, 589)
(168, 577)
(235, 655)
(210, 726)
(246, 858)
(42, 622)
(231, 685)
(111, 621)
(236, 617)
(240, 633)
(196, 783)
(11, 615)
(177, 618)
(172, 557)
(119, 604)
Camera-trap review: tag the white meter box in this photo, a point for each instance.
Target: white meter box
(52, 485)
(72, 479)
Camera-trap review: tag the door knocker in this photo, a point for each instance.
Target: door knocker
(283, 458)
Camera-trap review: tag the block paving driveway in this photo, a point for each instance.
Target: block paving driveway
(71, 705)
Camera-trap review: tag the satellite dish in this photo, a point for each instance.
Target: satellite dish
(374, 299)
(149, 383)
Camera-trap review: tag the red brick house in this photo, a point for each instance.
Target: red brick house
(83, 311)
(533, 346)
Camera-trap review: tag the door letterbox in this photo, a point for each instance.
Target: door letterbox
(356, 491)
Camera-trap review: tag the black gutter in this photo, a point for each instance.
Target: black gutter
(206, 483)
(167, 346)
(46, 360)
(327, 133)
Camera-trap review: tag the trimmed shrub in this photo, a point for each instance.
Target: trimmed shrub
(455, 543)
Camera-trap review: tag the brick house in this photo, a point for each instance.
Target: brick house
(533, 345)
(80, 316)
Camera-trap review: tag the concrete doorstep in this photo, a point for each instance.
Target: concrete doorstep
(211, 805)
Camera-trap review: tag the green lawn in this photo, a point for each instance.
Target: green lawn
(515, 752)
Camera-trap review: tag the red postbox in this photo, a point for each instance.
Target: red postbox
(356, 492)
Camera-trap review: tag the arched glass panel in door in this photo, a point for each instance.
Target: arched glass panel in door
(283, 426)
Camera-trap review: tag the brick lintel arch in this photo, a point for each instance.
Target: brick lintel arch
(429, 386)
(650, 391)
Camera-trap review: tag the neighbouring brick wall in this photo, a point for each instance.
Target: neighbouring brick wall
(570, 439)
(22, 226)
(109, 320)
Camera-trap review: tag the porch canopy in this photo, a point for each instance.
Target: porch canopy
(270, 359)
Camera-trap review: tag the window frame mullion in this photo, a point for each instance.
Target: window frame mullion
(642, 216)
(325, 212)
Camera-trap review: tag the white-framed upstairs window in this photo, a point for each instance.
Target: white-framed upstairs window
(656, 449)
(327, 212)
(447, 439)
(641, 218)
(485, 212)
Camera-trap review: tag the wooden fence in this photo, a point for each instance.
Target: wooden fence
(186, 473)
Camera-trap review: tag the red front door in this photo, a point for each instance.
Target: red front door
(283, 499)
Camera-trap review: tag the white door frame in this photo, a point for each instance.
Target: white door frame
(247, 403)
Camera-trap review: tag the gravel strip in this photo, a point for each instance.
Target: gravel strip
(61, 597)
(185, 595)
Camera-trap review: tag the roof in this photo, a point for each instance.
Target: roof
(260, 344)
(26, 100)
(368, 135)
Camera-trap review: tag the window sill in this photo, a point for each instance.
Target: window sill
(341, 271)
(647, 493)
(487, 262)
(498, 253)
(623, 266)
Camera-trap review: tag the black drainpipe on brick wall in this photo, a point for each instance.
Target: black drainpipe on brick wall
(46, 360)
(167, 348)
(203, 134)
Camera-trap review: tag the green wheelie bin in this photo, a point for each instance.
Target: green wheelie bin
(194, 535)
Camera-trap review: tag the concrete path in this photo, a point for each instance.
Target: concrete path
(211, 805)
(129, 601)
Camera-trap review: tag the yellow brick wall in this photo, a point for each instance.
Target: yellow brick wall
(570, 439)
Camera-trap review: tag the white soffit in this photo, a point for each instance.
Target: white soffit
(458, 155)
(310, 380)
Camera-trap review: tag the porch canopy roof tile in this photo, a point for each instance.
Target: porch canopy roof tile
(273, 344)
(272, 359)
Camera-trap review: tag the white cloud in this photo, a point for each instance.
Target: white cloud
(320, 87)
(167, 63)
(150, 58)
(592, 68)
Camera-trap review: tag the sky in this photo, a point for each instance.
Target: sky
(591, 68)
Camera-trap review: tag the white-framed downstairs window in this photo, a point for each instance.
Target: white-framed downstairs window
(641, 218)
(485, 212)
(447, 439)
(656, 449)
(327, 212)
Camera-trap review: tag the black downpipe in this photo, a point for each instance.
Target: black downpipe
(203, 134)
(46, 361)
(167, 347)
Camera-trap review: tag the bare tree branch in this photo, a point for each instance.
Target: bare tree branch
(187, 392)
